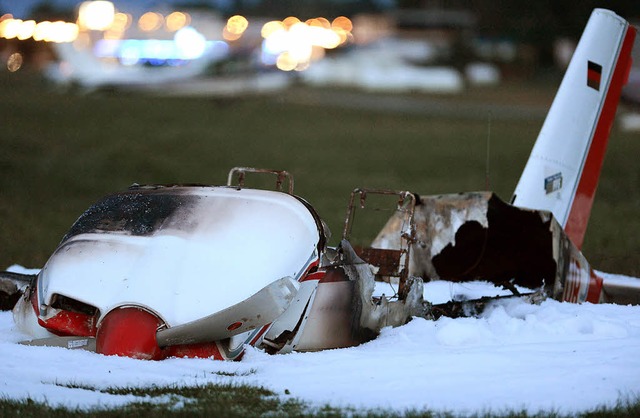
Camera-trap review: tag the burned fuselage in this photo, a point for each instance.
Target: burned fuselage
(203, 271)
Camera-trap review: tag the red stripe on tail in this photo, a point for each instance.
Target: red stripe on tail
(581, 208)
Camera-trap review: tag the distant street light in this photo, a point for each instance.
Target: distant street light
(96, 15)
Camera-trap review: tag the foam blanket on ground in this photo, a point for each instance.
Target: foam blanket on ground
(553, 356)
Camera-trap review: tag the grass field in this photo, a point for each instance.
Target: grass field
(60, 152)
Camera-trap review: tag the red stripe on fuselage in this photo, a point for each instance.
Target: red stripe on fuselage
(581, 207)
(259, 334)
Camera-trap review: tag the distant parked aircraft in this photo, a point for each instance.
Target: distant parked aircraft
(80, 67)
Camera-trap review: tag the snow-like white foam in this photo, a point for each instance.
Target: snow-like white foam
(554, 355)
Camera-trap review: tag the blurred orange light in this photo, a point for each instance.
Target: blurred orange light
(342, 22)
(237, 24)
(176, 21)
(324, 22)
(230, 36)
(150, 21)
(290, 21)
(121, 22)
(313, 23)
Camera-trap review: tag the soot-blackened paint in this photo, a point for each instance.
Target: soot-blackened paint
(134, 212)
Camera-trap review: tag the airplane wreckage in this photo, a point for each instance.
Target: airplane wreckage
(203, 271)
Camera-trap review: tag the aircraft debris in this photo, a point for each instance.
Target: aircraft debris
(202, 271)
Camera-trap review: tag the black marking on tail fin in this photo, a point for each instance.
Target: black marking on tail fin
(594, 74)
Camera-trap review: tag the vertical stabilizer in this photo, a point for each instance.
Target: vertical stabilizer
(562, 172)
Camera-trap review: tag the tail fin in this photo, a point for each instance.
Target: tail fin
(562, 173)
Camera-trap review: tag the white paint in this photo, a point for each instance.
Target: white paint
(566, 134)
(447, 226)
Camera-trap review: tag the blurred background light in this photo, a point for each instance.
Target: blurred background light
(150, 21)
(14, 62)
(237, 24)
(293, 45)
(121, 22)
(10, 28)
(290, 44)
(62, 32)
(42, 31)
(270, 27)
(96, 15)
(343, 23)
(26, 29)
(191, 43)
(290, 21)
(176, 21)
(235, 28)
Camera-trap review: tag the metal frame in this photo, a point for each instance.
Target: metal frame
(406, 204)
(241, 172)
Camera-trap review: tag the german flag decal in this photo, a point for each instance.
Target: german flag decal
(594, 74)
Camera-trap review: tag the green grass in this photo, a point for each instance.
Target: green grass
(247, 401)
(61, 152)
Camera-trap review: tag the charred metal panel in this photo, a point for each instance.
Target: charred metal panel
(328, 320)
(477, 236)
(473, 236)
(138, 212)
(371, 315)
(386, 261)
(344, 312)
(9, 295)
(515, 245)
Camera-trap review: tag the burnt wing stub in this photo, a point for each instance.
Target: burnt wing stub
(516, 246)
